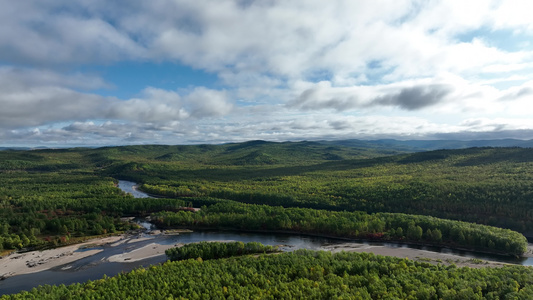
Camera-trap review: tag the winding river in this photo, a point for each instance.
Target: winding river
(95, 266)
(130, 187)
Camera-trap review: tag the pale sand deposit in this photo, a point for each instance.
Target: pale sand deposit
(148, 251)
(36, 261)
(415, 254)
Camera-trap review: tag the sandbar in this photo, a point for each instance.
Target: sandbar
(148, 251)
(419, 255)
(36, 261)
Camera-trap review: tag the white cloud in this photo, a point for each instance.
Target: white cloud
(293, 40)
(362, 68)
(208, 103)
(33, 97)
(39, 97)
(160, 106)
(61, 32)
(409, 95)
(155, 105)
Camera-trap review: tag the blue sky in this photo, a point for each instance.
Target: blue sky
(126, 77)
(180, 72)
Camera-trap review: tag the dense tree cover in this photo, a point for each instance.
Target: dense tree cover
(379, 226)
(46, 207)
(215, 250)
(301, 275)
(51, 196)
(484, 185)
(57, 194)
(36, 207)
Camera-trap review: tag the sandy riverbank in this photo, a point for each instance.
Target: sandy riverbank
(419, 255)
(36, 261)
(148, 251)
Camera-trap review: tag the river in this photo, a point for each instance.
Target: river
(96, 266)
(128, 187)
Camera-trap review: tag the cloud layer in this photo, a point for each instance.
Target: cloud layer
(286, 70)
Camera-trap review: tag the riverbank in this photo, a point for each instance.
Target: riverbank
(528, 253)
(148, 251)
(36, 261)
(419, 255)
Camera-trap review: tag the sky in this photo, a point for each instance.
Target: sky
(107, 72)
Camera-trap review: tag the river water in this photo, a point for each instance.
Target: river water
(96, 266)
(128, 187)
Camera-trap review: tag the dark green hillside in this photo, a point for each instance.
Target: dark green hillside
(53, 197)
(484, 185)
(248, 153)
(428, 145)
(59, 194)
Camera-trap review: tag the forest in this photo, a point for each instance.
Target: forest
(483, 185)
(302, 274)
(216, 250)
(354, 225)
(476, 198)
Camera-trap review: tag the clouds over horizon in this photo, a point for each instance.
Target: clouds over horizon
(35, 98)
(285, 70)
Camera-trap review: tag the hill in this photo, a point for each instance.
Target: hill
(427, 145)
(53, 197)
(484, 185)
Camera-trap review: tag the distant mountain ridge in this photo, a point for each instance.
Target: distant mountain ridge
(427, 145)
(381, 144)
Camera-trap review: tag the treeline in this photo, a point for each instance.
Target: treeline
(47, 194)
(357, 225)
(301, 275)
(50, 208)
(490, 186)
(216, 250)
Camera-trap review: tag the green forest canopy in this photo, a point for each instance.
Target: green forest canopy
(301, 274)
(55, 195)
(58, 196)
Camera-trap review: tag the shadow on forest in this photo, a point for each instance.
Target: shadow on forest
(491, 156)
(246, 173)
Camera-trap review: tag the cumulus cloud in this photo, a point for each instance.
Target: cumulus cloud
(33, 97)
(159, 106)
(358, 68)
(293, 39)
(39, 97)
(324, 96)
(61, 32)
(208, 103)
(517, 93)
(154, 105)
(408, 96)
(414, 98)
